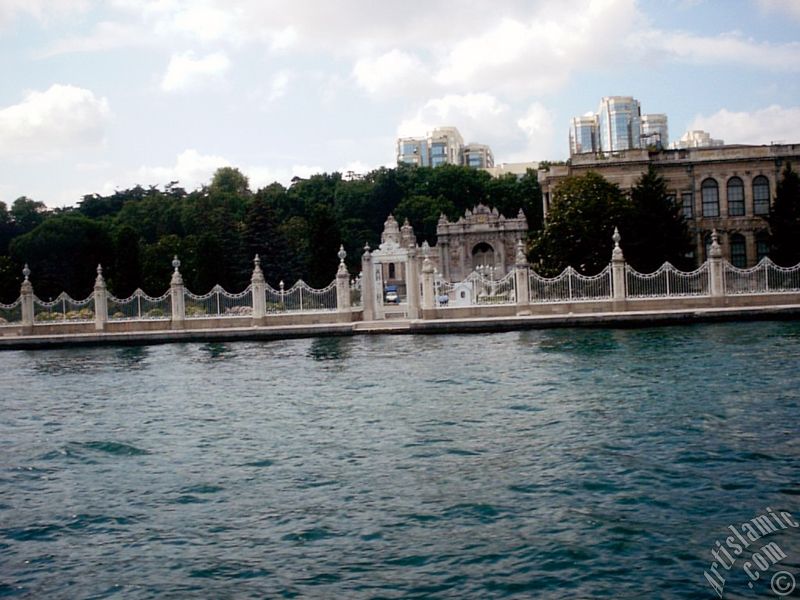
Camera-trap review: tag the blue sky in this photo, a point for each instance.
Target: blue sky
(96, 96)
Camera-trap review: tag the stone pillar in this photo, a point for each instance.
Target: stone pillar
(715, 270)
(428, 287)
(100, 301)
(412, 282)
(258, 289)
(617, 269)
(367, 285)
(342, 284)
(522, 280)
(26, 294)
(177, 296)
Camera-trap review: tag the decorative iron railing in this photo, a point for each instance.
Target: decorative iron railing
(488, 290)
(11, 313)
(139, 306)
(666, 282)
(219, 303)
(570, 286)
(764, 278)
(63, 308)
(301, 297)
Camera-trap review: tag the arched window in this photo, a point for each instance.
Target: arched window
(761, 195)
(735, 197)
(710, 192)
(762, 245)
(391, 271)
(738, 250)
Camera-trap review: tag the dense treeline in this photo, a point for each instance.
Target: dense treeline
(217, 229)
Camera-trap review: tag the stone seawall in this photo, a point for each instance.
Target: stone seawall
(489, 319)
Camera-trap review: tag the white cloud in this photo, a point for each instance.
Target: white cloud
(789, 7)
(41, 10)
(728, 48)
(283, 39)
(279, 85)
(191, 169)
(475, 115)
(187, 71)
(106, 35)
(202, 22)
(47, 123)
(537, 125)
(763, 126)
(538, 53)
(393, 71)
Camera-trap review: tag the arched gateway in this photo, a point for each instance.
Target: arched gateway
(481, 238)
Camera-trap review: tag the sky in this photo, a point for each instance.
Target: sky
(103, 95)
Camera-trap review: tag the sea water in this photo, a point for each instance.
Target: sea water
(563, 463)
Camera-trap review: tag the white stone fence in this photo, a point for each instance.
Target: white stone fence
(427, 297)
(177, 304)
(715, 278)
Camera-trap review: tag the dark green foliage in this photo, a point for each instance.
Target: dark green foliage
(126, 275)
(63, 253)
(10, 280)
(584, 211)
(27, 214)
(655, 231)
(579, 226)
(784, 220)
(217, 230)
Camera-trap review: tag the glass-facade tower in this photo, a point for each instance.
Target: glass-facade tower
(583, 135)
(619, 123)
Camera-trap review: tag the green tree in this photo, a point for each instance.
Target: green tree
(264, 237)
(127, 274)
(655, 231)
(423, 213)
(10, 279)
(63, 253)
(579, 226)
(6, 228)
(784, 220)
(27, 214)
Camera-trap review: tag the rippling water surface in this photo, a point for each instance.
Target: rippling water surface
(548, 464)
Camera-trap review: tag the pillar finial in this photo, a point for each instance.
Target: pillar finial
(616, 253)
(716, 249)
(521, 259)
(258, 274)
(26, 272)
(99, 281)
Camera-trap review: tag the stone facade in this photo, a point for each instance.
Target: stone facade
(727, 188)
(481, 237)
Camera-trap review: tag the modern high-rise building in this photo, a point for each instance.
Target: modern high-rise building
(619, 123)
(413, 151)
(443, 146)
(583, 134)
(655, 131)
(697, 139)
(446, 146)
(478, 156)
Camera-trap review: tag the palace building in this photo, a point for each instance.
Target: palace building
(729, 188)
